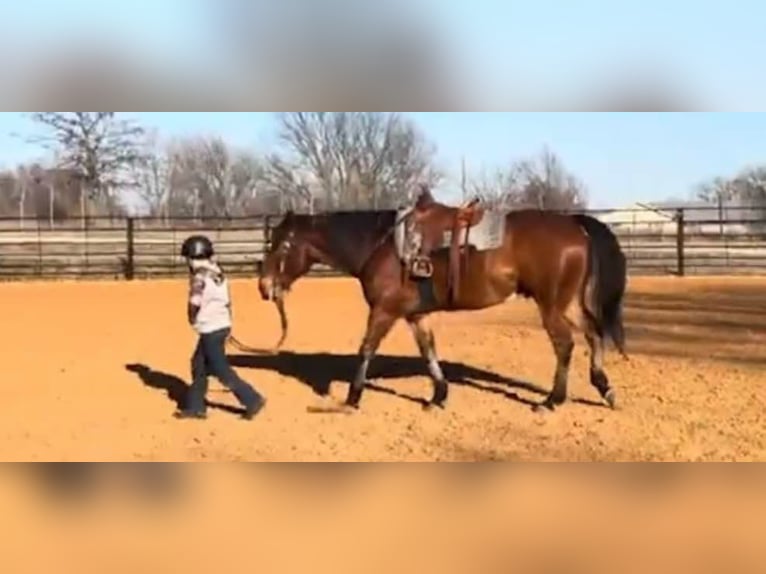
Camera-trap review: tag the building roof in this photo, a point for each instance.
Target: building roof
(694, 211)
(700, 211)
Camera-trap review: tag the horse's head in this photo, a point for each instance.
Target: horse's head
(290, 256)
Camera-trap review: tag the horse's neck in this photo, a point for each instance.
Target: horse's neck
(350, 252)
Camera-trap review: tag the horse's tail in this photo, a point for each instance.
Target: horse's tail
(608, 278)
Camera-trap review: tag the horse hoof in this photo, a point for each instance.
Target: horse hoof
(549, 405)
(543, 408)
(354, 398)
(611, 399)
(432, 406)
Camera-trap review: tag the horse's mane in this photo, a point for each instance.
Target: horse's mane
(357, 224)
(351, 236)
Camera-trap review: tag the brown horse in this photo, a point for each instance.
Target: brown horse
(572, 266)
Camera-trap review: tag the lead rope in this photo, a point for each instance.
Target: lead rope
(242, 348)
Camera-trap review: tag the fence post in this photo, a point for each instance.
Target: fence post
(266, 243)
(680, 242)
(130, 255)
(267, 231)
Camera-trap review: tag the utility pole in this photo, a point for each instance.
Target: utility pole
(464, 180)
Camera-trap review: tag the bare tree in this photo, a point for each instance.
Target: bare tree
(546, 184)
(38, 192)
(247, 172)
(717, 190)
(746, 187)
(345, 160)
(542, 182)
(750, 185)
(103, 148)
(11, 196)
(209, 179)
(498, 190)
(746, 190)
(154, 178)
(289, 186)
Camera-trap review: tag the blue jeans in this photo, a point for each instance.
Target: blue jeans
(210, 360)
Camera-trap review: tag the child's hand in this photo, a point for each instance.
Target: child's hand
(191, 313)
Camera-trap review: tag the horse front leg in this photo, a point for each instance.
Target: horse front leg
(424, 337)
(379, 324)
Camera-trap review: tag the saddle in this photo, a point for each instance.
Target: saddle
(427, 225)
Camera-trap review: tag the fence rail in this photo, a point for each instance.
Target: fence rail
(137, 248)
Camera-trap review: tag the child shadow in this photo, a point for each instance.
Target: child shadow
(175, 388)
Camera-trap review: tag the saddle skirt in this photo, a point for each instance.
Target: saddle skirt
(488, 234)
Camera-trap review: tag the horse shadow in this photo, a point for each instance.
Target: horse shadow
(175, 388)
(319, 370)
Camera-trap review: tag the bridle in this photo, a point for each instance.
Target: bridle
(285, 246)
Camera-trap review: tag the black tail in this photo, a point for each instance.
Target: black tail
(608, 269)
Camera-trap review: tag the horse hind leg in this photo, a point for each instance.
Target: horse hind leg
(595, 338)
(598, 376)
(581, 317)
(560, 332)
(424, 337)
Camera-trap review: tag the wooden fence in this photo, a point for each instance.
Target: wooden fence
(137, 248)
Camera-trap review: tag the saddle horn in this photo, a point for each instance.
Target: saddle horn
(471, 203)
(467, 213)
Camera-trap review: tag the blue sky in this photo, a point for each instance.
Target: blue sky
(711, 51)
(622, 157)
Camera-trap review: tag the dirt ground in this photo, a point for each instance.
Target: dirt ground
(96, 368)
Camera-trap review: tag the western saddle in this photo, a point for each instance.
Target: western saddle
(426, 227)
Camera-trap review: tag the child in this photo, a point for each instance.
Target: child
(209, 313)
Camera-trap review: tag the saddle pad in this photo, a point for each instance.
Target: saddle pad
(488, 234)
(400, 233)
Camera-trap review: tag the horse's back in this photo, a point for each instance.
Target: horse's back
(546, 231)
(546, 250)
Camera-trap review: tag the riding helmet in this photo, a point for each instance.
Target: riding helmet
(197, 247)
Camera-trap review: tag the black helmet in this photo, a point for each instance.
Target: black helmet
(197, 247)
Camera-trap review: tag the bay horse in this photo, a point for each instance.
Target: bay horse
(572, 266)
